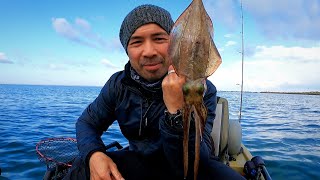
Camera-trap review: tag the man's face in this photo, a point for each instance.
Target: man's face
(148, 51)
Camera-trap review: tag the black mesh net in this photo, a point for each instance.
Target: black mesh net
(57, 151)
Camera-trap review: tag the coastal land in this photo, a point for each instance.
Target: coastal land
(304, 93)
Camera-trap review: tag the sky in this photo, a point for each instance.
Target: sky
(76, 42)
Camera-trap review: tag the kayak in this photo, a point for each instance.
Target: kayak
(228, 146)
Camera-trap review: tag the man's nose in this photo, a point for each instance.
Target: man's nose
(149, 49)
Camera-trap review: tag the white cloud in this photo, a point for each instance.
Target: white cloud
(221, 50)
(286, 18)
(83, 24)
(227, 77)
(64, 28)
(274, 18)
(109, 64)
(230, 43)
(4, 59)
(228, 35)
(57, 66)
(82, 33)
(289, 54)
(223, 11)
(274, 68)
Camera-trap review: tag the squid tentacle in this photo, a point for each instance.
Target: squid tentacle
(202, 113)
(186, 125)
(197, 142)
(200, 118)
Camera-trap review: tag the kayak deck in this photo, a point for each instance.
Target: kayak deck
(239, 160)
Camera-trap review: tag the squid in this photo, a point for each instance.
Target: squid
(194, 55)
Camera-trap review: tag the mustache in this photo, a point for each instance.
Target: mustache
(153, 60)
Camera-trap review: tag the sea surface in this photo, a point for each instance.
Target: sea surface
(282, 128)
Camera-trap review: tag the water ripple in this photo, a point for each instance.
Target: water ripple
(283, 129)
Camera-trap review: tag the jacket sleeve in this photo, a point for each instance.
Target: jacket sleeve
(95, 119)
(172, 136)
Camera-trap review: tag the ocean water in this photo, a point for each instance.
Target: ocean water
(282, 128)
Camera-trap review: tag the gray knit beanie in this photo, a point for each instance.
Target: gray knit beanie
(142, 15)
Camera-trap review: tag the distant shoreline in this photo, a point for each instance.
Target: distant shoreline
(96, 86)
(303, 93)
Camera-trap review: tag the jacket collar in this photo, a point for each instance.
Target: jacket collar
(140, 86)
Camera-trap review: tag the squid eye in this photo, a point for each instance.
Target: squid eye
(200, 89)
(185, 89)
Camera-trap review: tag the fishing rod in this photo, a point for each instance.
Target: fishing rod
(242, 60)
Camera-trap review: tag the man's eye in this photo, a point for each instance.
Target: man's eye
(160, 39)
(135, 42)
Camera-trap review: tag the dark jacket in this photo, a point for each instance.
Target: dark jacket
(140, 114)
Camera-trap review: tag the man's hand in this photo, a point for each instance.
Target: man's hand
(102, 167)
(172, 91)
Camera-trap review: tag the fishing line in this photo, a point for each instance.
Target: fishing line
(242, 59)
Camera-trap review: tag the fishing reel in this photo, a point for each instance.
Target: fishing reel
(254, 168)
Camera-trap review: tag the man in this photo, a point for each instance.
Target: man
(146, 102)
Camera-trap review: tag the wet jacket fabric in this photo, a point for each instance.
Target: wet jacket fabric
(140, 115)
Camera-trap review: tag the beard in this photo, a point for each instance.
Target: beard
(151, 61)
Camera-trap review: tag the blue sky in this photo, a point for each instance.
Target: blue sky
(69, 42)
